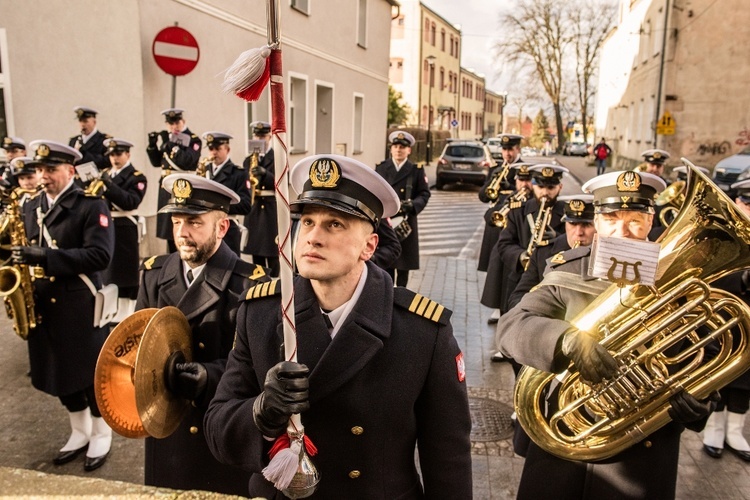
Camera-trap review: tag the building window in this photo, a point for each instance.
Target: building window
(426, 72)
(5, 105)
(362, 24)
(359, 117)
(301, 5)
(433, 29)
(297, 114)
(397, 27)
(442, 78)
(426, 30)
(396, 70)
(442, 40)
(451, 45)
(456, 50)
(258, 110)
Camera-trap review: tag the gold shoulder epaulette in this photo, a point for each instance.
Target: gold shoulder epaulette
(419, 165)
(266, 289)
(154, 262)
(559, 258)
(421, 305)
(137, 172)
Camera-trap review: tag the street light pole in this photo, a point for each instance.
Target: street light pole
(430, 78)
(504, 96)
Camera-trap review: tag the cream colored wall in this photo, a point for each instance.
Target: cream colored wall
(470, 104)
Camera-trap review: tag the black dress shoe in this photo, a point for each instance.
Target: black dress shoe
(94, 463)
(66, 456)
(712, 452)
(492, 321)
(744, 455)
(498, 357)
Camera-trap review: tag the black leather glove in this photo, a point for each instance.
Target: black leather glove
(187, 380)
(549, 235)
(29, 255)
(105, 177)
(592, 360)
(685, 408)
(407, 207)
(259, 171)
(152, 138)
(285, 392)
(164, 136)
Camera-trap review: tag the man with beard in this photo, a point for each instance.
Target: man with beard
(90, 142)
(410, 183)
(179, 151)
(379, 369)
(124, 188)
(204, 279)
(513, 243)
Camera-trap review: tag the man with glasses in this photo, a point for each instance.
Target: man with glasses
(124, 189)
(222, 170)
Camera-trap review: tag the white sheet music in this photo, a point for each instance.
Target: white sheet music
(624, 260)
(87, 171)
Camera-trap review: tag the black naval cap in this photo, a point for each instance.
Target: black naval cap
(401, 137)
(260, 127)
(216, 139)
(343, 184)
(628, 190)
(579, 208)
(522, 170)
(13, 143)
(547, 175)
(83, 112)
(116, 145)
(172, 115)
(195, 195)
(51, 153)
(508, 141)
(23, 165)
(655, 156)
(681, 172)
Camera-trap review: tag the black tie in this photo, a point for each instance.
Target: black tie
(328, 322)
(190, 276)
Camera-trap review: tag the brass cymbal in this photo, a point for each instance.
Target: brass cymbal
(167, 333)
(113, 379)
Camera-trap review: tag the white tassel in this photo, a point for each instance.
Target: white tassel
(246, 70)
(282, 467)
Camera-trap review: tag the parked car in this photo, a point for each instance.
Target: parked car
(575, 149)
(495, 147)
(463, 162)
(528, 151)
(732, 169)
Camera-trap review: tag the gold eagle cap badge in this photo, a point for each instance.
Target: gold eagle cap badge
(505, 139)
(42, 151)
(7, 141)
(657, 155)
(182, 189)
(112, 144)
(523, 170)
(210, 138)
(79, 112)
(628, 182)
(577, 206)
(325, 173)
(548, 172)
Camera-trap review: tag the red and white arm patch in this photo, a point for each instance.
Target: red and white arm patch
(103, 220)
(141, 186)
(461, 367)
(196, 146)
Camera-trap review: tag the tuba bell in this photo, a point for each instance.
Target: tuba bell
(641, 326)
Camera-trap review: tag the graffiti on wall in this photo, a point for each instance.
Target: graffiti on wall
(743, 138)
(714, 148)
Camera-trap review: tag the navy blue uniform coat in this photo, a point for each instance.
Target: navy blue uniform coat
(261, 222)
(64, 346)
(182, 460)
(235, 178)
(386, 382)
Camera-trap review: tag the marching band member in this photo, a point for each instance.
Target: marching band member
(90, 142)
(537, 333)
(379, 370)
(204, 279)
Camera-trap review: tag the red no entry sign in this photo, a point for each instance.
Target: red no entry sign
(175, 51)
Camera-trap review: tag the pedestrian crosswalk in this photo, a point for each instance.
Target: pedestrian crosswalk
(451, 224)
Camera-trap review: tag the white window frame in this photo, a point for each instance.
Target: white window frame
(362, 23)
(304, 9)
(359, 124)
(255, 111)
(295, 135)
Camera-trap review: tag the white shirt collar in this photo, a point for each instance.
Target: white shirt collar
(113, 172)
(216, 167)
(85, 138)
(338, 316)
(51, 202)
(399, 165)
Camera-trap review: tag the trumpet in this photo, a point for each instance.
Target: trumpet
(543, 218)
(499, 217)
(203, 163)
(493, 190)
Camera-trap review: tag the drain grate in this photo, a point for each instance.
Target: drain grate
(490, 420)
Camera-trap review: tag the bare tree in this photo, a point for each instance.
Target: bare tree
(536, 36)
(591, 22)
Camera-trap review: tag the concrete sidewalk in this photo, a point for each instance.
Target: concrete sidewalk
(33, 425)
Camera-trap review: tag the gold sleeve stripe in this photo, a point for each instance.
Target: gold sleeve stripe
(415, 302)
(422, 306)
(273, 286)
(262, 290)
(438, 313)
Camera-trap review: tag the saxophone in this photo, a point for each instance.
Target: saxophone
(499, 217)
(202, 168)
(15, 280)
(493, 190)
(543, 218)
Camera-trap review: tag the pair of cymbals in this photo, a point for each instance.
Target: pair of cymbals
(130, 383)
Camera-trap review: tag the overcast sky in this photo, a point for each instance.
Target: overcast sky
(479, 21)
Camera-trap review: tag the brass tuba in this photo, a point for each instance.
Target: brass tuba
(671, 199)
(641, 326)
(15, 280)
